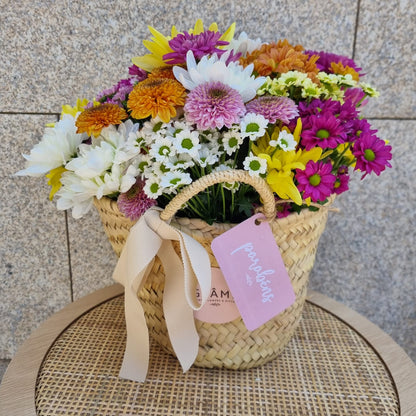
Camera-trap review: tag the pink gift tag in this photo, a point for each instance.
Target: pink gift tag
(220, 306)
(254, 270)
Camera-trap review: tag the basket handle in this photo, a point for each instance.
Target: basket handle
(230, 176)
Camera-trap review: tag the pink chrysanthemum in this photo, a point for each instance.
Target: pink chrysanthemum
(214, 105)
(341, 181)
(325, 131)
(274, 108)
(134, 203)
(316, 181)
(206, 43)
(372, 154)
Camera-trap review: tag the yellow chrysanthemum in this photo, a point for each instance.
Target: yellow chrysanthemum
(159, 44)
(94, 119)
(162, 72)
(54, 181)
(156, 97)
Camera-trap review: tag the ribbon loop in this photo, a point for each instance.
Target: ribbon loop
(149, 237)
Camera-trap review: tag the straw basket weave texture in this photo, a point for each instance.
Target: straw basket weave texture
(230, 344)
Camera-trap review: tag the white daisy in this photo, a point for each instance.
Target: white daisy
(152, 187)
(187, 141)
(232, 140)
(207, 156)
(58, 145)
(155, 126)
(212, 68)
(255, 166)
(142, 161)
(182, 161)
(162, 148)
(175, 178)
(285, 141)
(156, 169)
(253, 126)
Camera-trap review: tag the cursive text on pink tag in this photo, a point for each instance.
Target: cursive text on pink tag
(254, 271)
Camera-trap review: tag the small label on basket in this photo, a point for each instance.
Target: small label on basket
(254, 270)
(220, 306)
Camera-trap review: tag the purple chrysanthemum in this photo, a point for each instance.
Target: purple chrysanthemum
(118, 93)
(372, 154)
(326, 58)
(134, 203)
(341, 181)
(274, 108)
(325, 131)
(206, 43)
(137, 72)
(316, 181)
(214, 105)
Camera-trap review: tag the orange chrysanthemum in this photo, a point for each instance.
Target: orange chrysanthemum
(94, 119)
(340, 69)
(162, 72)
(281, 57)
(156, 97)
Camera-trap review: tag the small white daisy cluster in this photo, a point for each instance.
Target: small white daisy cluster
(174, 154)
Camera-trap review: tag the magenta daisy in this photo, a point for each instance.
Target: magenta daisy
(316, 181)
(372, 154)
(134, 203)
(324, 131)
(283, 209)
(341, 181)
(214, 105)
(274, 108)
(206, 43)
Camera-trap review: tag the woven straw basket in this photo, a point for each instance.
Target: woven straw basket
(230, 344)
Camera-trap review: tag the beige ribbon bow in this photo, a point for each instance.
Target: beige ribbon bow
(149, 237)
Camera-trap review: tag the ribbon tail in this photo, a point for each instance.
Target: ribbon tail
(136, 356)
(131, 271)
(178, 315)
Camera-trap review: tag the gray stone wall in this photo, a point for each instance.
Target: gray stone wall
(55, 52)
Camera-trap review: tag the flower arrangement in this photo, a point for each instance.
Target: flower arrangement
(204, 100)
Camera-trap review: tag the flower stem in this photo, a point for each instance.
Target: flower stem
(223, 203)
